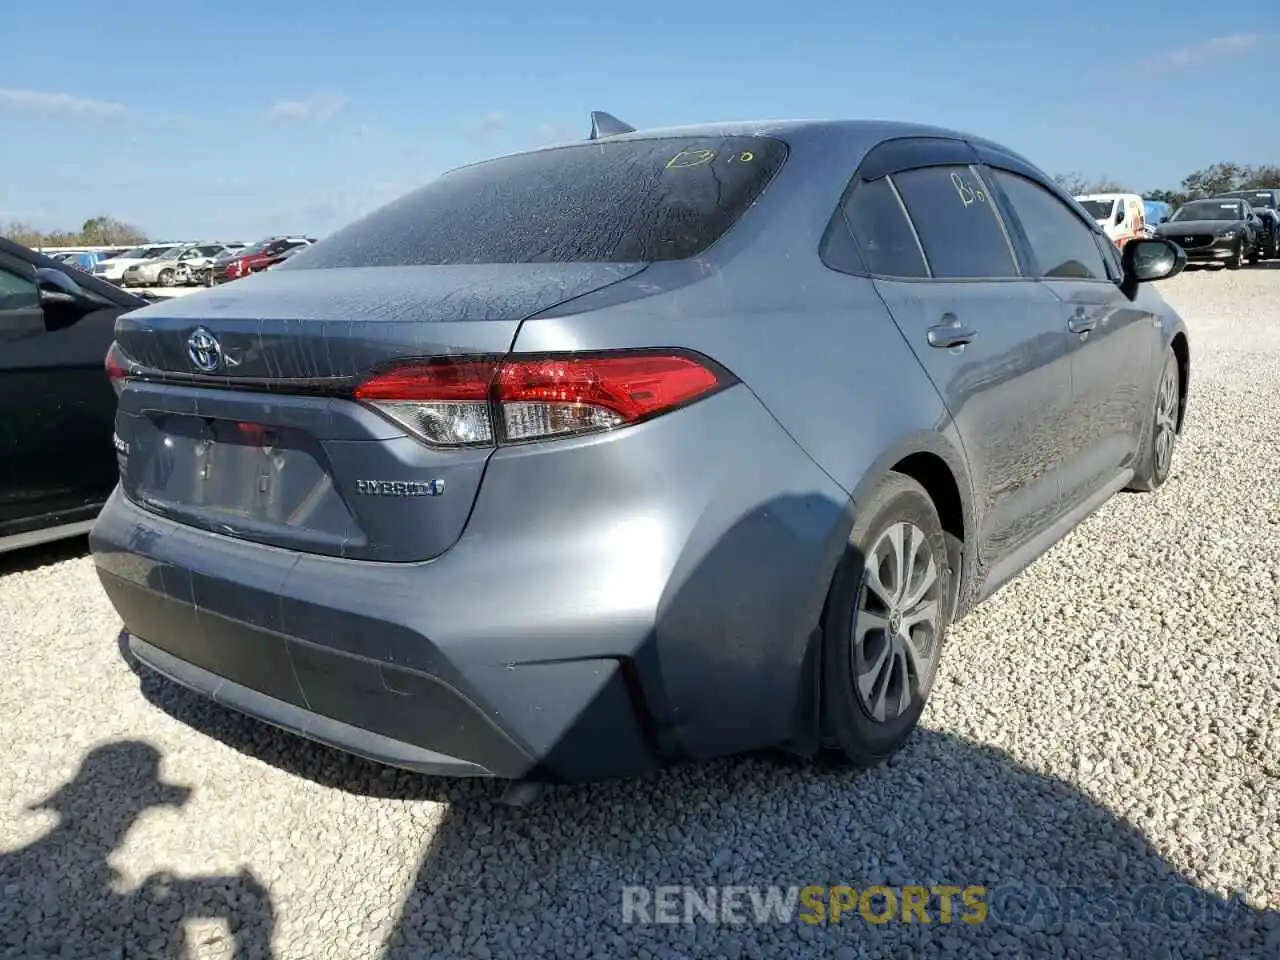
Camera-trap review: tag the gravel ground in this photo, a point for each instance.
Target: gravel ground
(1107, 721)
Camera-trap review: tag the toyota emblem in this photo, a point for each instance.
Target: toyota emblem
(204, 350)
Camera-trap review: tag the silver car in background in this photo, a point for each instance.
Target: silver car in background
(174, 269)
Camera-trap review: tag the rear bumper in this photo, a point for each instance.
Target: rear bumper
(299, 720)
(612, 626)
(339, 656)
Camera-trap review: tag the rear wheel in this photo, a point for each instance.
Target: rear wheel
(166, 277)
(1156, 460)
(885, 623)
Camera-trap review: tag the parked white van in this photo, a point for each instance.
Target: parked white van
(1121, 215)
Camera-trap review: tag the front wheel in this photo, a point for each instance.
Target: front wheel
(1156, 459)
(166, 278)
(885, 622)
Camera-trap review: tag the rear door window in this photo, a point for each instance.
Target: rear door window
(883, 233)
(957, 222)
(628, 201)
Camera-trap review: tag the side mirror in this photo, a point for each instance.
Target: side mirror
(63, 300)
(1149, 259)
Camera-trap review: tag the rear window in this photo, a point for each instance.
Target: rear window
(635, 201)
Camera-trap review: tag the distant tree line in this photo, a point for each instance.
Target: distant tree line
(1209, 182)
(96, 232)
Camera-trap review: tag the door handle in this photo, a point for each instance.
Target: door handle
(950, 333)
(1081, 323)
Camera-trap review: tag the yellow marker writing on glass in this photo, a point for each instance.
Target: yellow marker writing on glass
(691, 158)
(967, 193)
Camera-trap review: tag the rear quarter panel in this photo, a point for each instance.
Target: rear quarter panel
(817, 348)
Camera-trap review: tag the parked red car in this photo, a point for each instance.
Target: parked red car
(257, 257)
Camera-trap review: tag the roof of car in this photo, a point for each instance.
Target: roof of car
(843, 134)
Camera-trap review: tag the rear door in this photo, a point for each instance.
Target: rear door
(1112, 340)
(988, 338)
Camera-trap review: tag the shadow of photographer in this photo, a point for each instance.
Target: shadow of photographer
(61, 896)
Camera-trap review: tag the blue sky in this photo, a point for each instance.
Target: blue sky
(239, 118)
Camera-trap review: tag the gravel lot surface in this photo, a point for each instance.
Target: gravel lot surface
(1109, 720)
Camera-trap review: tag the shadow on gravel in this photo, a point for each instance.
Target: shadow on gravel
(61, 896)
(1061, 875)
(44, 555)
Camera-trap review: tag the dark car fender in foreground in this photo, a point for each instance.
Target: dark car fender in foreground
(57, 406)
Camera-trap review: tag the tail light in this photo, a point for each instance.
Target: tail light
(481, 401)
(117, 367)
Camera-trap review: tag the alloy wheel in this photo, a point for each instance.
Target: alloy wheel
(1166, 420)
(896, 630)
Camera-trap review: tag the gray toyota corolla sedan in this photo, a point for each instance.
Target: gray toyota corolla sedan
(662, 445)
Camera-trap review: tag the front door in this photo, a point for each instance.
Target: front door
(1112, 340)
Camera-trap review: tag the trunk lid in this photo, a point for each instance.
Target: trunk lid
(278, 461)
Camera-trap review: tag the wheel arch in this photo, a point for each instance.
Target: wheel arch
(938, 464)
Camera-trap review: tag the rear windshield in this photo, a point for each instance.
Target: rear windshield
(636, 201)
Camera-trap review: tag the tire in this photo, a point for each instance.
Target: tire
(166, 278)
(1236, 260)
(1155, 461)
(1256, 253)
(899, 516)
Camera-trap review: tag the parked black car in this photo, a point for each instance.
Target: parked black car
(1215, 231)
(57, 405)
(1266, 204)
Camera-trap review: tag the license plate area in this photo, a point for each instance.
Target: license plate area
(245, 479)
